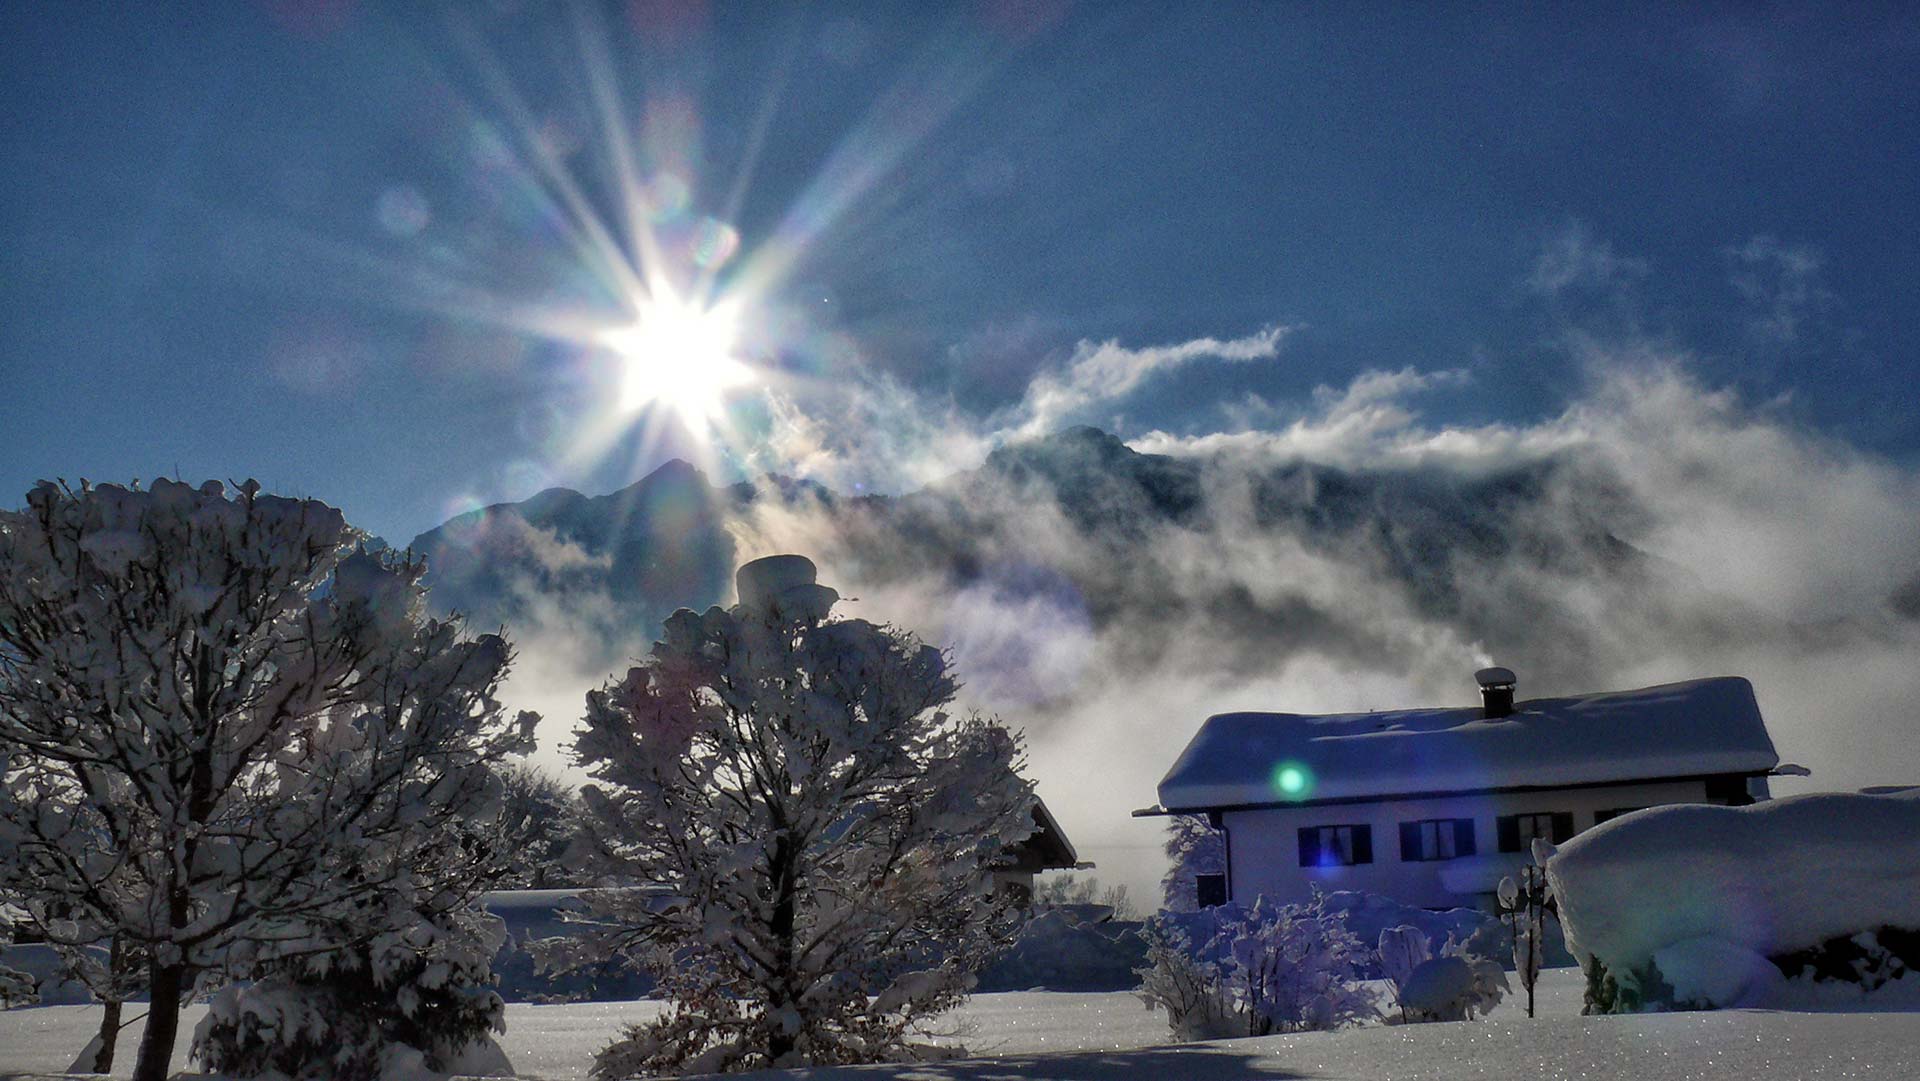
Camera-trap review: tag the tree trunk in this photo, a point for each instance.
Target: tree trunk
(109, 1034)
(110, 1018)
(163, 1022)
(780, 1042)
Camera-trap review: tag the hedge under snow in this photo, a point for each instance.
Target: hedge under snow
(1695, 882)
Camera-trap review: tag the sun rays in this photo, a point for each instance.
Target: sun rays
(681, 356)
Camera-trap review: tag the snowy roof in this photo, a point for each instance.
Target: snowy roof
(1700, 727)
(1046, 848)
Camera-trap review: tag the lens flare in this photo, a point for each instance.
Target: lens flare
(1292, 781)
(680, 355)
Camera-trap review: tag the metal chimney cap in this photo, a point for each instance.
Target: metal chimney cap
(1495, 677)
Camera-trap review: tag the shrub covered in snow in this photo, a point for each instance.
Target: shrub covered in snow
(1175, 979)
(1265, 969)
(1717, 906)
(1367, 915)
(814, 834)
(1458, 984)
(419, 989)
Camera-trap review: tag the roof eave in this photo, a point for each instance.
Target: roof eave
(1159, 810)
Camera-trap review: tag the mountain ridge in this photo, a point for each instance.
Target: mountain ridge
(1127, 535)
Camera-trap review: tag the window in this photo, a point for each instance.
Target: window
(1518, 831)
(1612, 813)
(1210, 891)
(1436, 839)
(1335, 846)
(1729, 790)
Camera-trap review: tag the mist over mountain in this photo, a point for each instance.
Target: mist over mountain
(1072, 521)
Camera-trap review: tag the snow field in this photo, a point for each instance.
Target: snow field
(1050, 1036)
(557, 1042)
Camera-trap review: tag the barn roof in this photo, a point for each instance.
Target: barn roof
(1696, 728)
(1047, 848)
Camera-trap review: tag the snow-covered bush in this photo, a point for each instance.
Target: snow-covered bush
(1175, 979)
(813, 834)
(1716, 906)
(1269, 968)
(417, 989)
(224, 723)
(1457, 985)
(1367, 915)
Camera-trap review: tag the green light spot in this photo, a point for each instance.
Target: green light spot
(1292, 781)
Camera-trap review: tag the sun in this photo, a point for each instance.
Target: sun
(682, 356)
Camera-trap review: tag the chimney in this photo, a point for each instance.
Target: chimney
(1496, 691)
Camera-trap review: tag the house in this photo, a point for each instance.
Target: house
(1046, 849)
(1434, 806)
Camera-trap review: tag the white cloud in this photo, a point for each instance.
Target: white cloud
(1100, 374)
(1781, 283)
(1574, 258)
(870, 433)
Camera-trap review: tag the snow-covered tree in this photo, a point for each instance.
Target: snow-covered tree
(538, 825)
(1194, 848)
(1071, 889)
(813, 834)
(226, 728)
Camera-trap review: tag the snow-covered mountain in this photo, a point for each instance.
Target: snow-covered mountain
(1268, 559)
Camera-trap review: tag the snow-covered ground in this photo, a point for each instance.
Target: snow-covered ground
(1047, 1036)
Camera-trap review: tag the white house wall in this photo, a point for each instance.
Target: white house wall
(1265, 849)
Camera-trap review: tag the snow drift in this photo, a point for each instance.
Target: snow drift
(1681, 892)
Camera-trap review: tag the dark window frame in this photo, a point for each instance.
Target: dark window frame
(1315, 852)
(1512, 839)
(1445, 833)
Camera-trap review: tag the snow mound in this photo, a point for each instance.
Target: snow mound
(1711, 971)
(1436, 986)
(1762, 881)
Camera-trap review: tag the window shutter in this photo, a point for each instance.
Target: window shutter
(1409, 842)
(1562, 826)
(1509, 827)
(1363, 844)
(1463, 837)
(1309, 846)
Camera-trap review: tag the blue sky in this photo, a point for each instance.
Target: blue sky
(311, 242)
